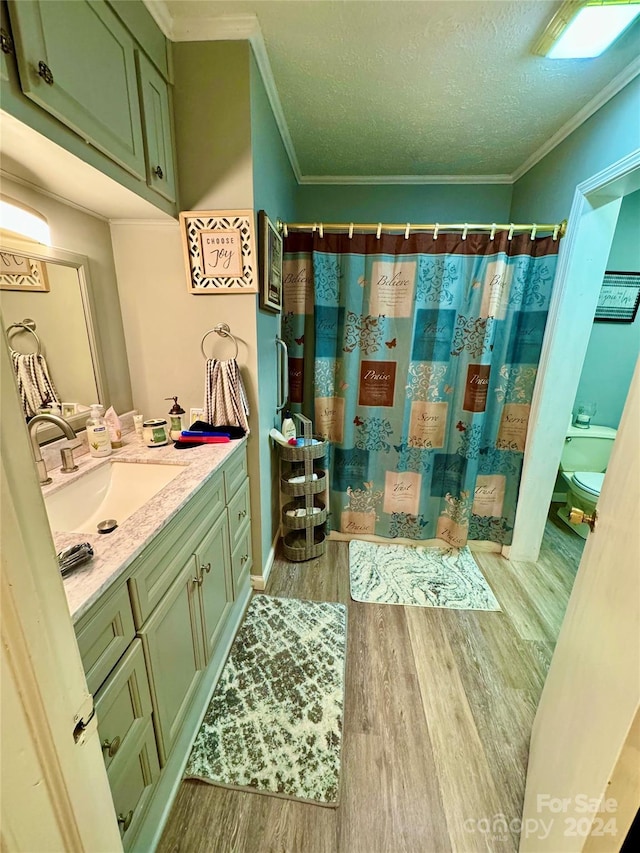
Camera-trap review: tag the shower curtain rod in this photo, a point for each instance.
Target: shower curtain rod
(558, 229)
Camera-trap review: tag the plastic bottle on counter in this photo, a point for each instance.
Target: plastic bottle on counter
(288, 426)
(97, 432)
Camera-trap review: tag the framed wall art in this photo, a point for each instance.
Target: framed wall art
(619, 297)
(20, 273)
(219, 251)
(270, 256)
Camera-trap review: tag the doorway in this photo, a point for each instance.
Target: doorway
(603, 386)
(581, 266)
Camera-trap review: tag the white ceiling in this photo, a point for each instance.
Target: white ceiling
(428, 90)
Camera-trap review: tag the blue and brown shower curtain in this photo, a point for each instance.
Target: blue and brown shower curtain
(416, 358)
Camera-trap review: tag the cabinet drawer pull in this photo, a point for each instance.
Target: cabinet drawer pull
(45, 72)
(125, 820)
(197, 581)
(6, 42)
(158, 172)
(242, 514)
(244, 559)
(206, 567)
(111, 746)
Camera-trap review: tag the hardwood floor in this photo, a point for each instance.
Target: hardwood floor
(438, 712)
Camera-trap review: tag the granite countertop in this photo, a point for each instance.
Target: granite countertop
(114, 552)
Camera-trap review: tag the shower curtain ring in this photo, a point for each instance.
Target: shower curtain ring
(285, 230)
(510, 235)
(464, 230)
(493, 230)
(350, 230)
(555, 232)
(435, 231)
(533, 231)
(321, 231)
(379, 230)
(406, 233)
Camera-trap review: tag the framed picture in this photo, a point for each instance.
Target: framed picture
(218, 250)
(270, 244)
(619, 297)
(20, 273)
(69, 409)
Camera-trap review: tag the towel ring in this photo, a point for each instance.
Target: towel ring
(224, 331)
(26, 325)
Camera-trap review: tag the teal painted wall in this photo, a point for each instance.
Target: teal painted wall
(614, 347)
(274, 190)
(545, 193)
(404, 203)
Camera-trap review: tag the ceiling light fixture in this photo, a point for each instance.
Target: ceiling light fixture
(582, 29)
(20, 219)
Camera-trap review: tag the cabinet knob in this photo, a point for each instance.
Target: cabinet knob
(242, 514)
(158, 172)
(6, 42)
(206, 567)
(197, 581)
(45, 72)
(244, 559)
(111, 746)
(125, 820)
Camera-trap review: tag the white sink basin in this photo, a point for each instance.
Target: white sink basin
(115, 490)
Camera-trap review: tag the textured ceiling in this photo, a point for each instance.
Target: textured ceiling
(408, 87)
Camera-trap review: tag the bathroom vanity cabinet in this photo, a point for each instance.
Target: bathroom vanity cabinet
(153, 645)
(101, 71)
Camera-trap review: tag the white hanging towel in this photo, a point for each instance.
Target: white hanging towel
(34, 383)
(225, 400)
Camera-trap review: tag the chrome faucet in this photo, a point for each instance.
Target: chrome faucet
(66, 453)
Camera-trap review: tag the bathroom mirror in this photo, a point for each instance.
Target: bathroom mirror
(60, 304)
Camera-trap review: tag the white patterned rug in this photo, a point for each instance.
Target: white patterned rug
(423, 577)
(274, 724)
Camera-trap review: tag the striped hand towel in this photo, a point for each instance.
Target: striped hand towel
(225, 400)
(34, 383)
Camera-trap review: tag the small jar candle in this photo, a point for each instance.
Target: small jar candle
(155, 432)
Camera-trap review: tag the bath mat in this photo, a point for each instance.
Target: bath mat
(422, 577)
(274, 724)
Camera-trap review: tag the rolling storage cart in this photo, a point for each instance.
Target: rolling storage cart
(304, 535)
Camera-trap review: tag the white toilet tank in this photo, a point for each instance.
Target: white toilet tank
(587, 449)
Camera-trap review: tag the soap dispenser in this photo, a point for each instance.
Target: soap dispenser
(97, 432)
(175, 419)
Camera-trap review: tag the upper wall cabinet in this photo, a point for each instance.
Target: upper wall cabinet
(77, 61)
(156, 112)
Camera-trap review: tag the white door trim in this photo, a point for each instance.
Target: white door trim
(581, 265)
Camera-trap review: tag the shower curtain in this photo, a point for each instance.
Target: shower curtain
(416, 358)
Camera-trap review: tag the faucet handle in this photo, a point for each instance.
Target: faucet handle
(68, 462)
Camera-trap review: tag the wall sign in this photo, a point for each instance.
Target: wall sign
(219, 251)
(619, 297)
(20, 273)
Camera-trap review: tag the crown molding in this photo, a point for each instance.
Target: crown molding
(610, 91)
(161, 15)
(146, 223)
(405, 179)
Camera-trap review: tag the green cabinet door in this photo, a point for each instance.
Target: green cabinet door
(216, 592)
(172, 643)
(7, 49)
(156, 115)
(77, 61)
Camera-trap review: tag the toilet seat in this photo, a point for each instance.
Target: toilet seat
(589, 481)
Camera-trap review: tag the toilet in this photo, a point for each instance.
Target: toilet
(584, 460)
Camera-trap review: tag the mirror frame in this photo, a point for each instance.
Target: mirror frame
(49, 254)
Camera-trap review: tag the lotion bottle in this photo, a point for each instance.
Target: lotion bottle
(98, 433)
(288, 426)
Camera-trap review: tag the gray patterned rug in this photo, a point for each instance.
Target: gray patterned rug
(274, 724)
(423, 577)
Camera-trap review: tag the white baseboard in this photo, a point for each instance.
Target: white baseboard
(259, 582)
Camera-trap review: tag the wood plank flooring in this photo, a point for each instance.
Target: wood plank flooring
(438, 712)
